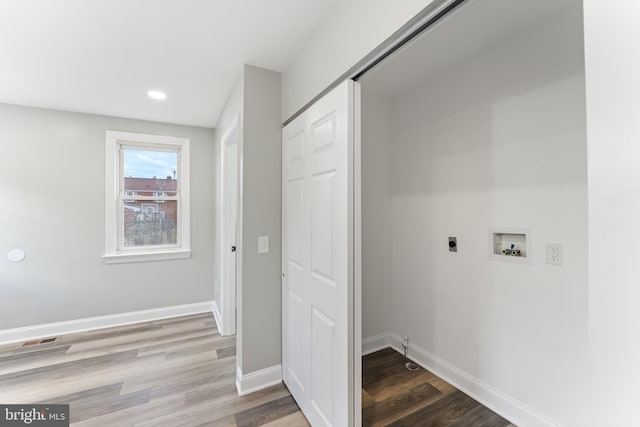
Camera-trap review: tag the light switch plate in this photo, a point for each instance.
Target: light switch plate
(263, 244)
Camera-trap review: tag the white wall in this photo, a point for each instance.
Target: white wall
(52, 172)
(499, 140)
(377, 283)
(613, 85)
(351, 31)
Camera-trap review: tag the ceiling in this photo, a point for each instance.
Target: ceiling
(472, 28)
(102, 56)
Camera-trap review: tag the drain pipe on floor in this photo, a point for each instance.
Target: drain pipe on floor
(408, 364)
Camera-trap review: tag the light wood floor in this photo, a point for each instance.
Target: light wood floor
(181, 372)
(175, 372)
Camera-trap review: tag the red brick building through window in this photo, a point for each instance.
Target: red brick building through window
(150, 222)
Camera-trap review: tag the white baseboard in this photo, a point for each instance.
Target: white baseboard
(258, 380)
(223, 329)
(512, 409)
(217, 316)
(375, 343)
(80, 325)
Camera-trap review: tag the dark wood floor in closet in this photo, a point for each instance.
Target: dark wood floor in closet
(395, 396)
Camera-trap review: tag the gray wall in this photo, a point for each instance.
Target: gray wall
(261, 216)
(52, 172)
(256, 97)
(336, 46)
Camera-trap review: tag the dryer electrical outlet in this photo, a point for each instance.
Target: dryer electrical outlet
(453, 244)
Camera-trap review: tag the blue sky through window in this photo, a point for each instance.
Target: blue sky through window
(147, 164)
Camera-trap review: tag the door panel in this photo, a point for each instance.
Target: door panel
(297, 357)
(322, 372)
(295, 196)
(322, 242)
(317, 204)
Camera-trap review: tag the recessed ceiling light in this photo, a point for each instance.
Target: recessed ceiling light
(156, 94)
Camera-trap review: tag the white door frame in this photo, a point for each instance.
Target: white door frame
(230, 145)
(356, 303)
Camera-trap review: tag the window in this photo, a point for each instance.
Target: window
(147, 197)
(159, 194)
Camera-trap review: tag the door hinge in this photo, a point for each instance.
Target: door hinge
(233, 248)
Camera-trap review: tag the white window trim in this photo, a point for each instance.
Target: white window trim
(112, 253)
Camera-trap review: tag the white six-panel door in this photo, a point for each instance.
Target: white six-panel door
(317, 242)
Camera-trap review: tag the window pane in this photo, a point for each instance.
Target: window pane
(149, 223)
(149, 173)
(149, 164)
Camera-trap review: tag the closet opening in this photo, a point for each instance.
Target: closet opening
(474, 133)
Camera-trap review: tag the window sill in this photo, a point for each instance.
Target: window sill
(120, 258)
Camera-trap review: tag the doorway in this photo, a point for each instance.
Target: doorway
(230, 192)
(451, 134)
(477, 124)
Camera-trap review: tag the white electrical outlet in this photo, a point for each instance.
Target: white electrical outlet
(555, 254)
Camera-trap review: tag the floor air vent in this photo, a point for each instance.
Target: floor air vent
(42, 341)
